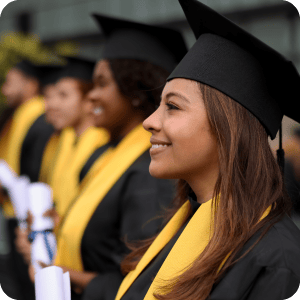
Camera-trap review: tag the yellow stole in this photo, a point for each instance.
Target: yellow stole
(49, 158)
(80, 212)
(68, 186)
(63, 152)
(5, 135)
(21, 121)
(190, 244)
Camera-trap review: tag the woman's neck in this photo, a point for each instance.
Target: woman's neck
(203, 185)
(119, 132)
(82, 127)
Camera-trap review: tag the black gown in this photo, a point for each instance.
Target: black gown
(128, 211)
(33, 147)
(31, 156)
(270, 271)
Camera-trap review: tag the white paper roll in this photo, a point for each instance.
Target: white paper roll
(39, 250)
(19, 197)
(67, 286)
(49, 284)
(7, 175)
(40, 200)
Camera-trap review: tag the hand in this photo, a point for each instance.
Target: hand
(29, 219)
(22, 244)
(53, 214)
(31, 270)
(3, 195)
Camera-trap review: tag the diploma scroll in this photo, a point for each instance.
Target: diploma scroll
(7, 175)
(51, 283)
(40, 200)
(19, 199)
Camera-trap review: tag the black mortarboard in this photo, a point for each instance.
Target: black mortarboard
(160, 46)
(49, 74)
(79, 68)
(228, 58)
(28, 68)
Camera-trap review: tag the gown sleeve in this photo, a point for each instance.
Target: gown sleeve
(269, 283)
(143, 205)
(108, 283)
(142, 199)
(275, 284)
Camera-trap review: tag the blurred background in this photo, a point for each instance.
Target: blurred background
(35, 27)
(66, 26)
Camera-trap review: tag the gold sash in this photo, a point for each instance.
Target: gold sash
(68, 185)
(187, 248)
(80, 212)
(63, 152)
(48, 158)
(21, 121)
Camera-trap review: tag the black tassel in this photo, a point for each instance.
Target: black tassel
(280, 152)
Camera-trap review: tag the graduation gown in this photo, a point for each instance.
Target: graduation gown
(23, 139)
(128, 210)
(33, 148)
(269, 271)
(134, 200)
(67, 186)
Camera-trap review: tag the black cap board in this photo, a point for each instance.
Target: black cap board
(160, 46)
(49, 74)
(79, 68)
(28, 68)
(233, 61)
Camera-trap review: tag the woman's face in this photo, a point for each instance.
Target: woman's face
(183, 146)
(65, 106)
(49, 93)
(111, 109)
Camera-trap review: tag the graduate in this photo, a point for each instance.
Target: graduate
(25, 133)
(229, 235)
(79, 138)
(22, 91)
(118, 199)
(23, 137)
(50, 75)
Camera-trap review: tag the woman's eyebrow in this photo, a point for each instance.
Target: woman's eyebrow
(175, 94)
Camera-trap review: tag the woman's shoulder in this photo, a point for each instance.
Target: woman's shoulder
(279, 247)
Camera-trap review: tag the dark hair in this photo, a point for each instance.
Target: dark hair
(139, 80)
(249, 182)
(84, 86)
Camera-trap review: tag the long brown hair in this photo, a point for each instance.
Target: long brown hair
(249, 182)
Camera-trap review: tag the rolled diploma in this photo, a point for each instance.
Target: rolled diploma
(40, 200)
(51, 283)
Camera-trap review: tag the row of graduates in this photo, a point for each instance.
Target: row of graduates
(228, 234)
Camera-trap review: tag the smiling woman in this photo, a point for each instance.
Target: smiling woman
(119, 200)
(228, 235)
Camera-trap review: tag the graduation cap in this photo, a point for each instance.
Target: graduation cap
(125, 39)
(233, 61)
(28, 68)
(49, 74)
(79, 68)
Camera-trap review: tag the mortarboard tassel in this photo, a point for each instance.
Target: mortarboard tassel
(280, 152)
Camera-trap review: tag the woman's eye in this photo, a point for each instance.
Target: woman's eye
(171, 106)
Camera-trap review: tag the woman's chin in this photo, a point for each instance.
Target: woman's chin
(159, 172)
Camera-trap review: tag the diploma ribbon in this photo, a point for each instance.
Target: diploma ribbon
(33, 234)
